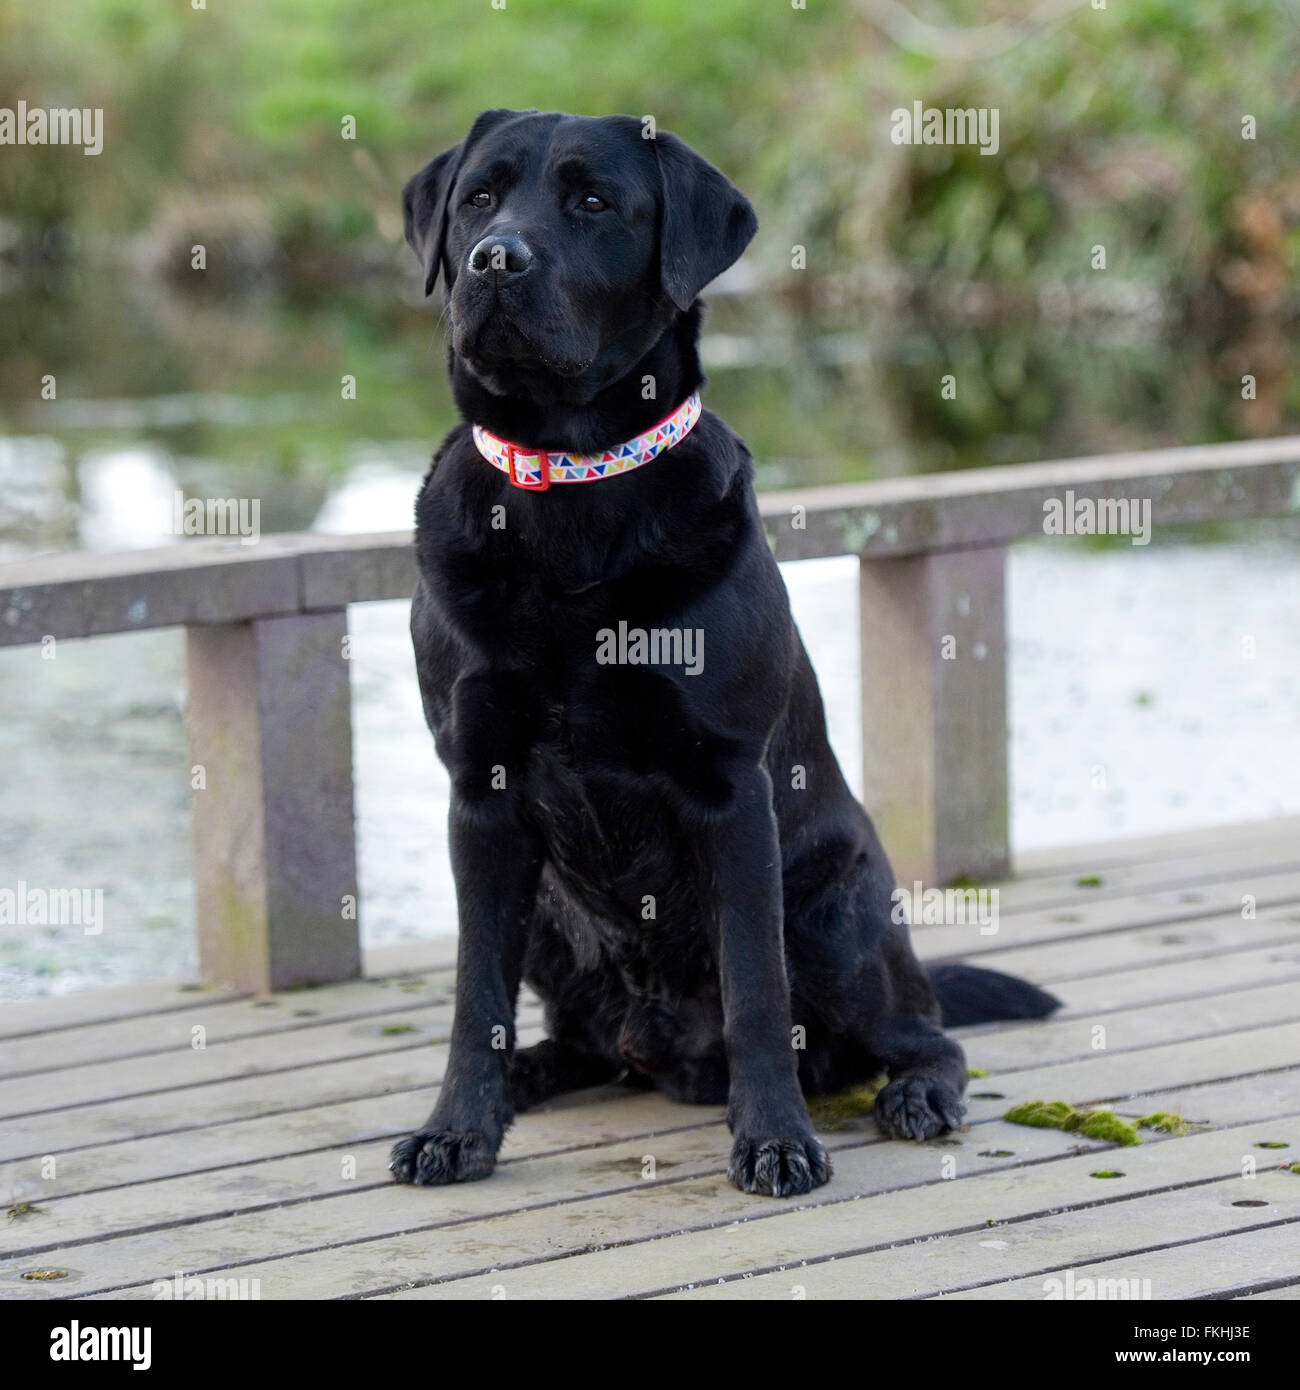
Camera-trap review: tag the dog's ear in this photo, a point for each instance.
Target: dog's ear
(424, 203)
(705, 224)
(424, 199)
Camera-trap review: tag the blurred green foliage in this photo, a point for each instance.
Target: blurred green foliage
(1119, 127)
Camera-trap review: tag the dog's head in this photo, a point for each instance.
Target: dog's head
(569, 244)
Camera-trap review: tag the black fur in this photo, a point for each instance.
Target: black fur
(967, 994)
(635, 841)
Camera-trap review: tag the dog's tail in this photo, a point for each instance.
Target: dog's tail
(969, 994)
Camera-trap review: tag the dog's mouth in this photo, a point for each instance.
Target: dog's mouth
(492, 339)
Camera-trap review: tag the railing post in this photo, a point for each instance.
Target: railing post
(934, 712)
(270, 735)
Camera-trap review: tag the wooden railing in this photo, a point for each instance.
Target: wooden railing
(269, 713)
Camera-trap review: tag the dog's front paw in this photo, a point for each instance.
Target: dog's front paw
(778, 1166)
(915, 1108)
(432, 1156)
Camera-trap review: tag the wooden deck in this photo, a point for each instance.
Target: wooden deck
(261, 1155)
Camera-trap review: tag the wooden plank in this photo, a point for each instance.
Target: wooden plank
(418, 1067)
(51, 1013)
(282, 1162)
(1026, 902)
(1243, 1100)
(24, 1176)
(993, 506)
(600, 1116)
(613, 1133)
(396, 1064)
(1114, 1077)
(407, 1000)
(1034, 1252)
(1054, 962)
(400, 1066)
(275, 871)
(187, 1067)
(1288, 1292)
(1277, 893)
(1129, 880)
(411, 957)
(1184, 980)
(829, 1220)
(1207, 1269)
(597, 1117)
(820, 1227)
(1085, 1036)
(524, 1210)
(221, 1022)
(190, 1256)
(1093, 921)
(1282, 833)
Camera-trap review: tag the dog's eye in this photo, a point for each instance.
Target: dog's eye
(480, 199)
(591, 202)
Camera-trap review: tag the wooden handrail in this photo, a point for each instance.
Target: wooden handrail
(215, 580)
(269, 696)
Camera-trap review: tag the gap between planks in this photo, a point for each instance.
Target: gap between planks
(632, 1222)
(77, 1046)
(1267, 848)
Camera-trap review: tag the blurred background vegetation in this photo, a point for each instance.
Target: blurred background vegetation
(1120, 127)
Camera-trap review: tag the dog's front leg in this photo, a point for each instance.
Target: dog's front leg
(496, 861)
(775, 1151)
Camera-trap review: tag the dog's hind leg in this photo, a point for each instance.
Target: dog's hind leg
(550, 1068)
(927, 1069)
(927, 1075)
(882, 1016)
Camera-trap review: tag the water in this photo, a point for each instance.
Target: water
(1151, 689)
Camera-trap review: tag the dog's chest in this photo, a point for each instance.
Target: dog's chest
(610, 808)
(597, 678)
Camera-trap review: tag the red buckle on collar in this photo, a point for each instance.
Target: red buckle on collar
(543, 471)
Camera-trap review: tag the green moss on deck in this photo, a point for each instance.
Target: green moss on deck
(1058, 1114)
(1166, 1122)
(832, 1112)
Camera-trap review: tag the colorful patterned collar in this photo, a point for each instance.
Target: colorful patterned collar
(533, 470)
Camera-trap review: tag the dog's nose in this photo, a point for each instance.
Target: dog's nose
(506, 255)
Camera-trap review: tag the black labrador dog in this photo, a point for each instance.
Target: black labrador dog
(648, 825)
